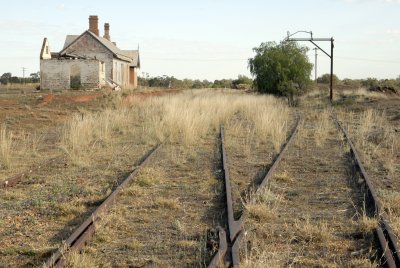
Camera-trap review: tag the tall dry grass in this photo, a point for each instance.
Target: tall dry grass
(16, 149)
(182, 118)
(6, 147)
(377, 142)
(186, 117)
(375, 137)
(84, 133)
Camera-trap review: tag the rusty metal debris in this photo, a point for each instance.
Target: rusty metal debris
(86, 230)
(387, 240)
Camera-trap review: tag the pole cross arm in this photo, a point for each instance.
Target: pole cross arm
(313, 40)
(330, 56)
(310, 39)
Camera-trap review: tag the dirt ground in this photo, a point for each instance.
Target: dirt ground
(44, 209)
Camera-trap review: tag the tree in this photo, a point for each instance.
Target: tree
(281, 69)
(35, 77)
(242, 82)
(5, 78)
(326, 79)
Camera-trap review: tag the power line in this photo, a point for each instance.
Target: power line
(365, 59)
(371, 60)
(194, 59)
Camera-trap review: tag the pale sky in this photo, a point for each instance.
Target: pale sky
(209, 39)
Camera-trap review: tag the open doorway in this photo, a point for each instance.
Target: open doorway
(75, 76)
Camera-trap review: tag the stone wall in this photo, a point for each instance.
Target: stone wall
(88, 46)
(75, 73)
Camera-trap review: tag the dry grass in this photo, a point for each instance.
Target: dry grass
(31, 86)
(87, 132)
(320, 130)
(78, 260)
(188, 116)
(308, 231)
(362, 93)
(6, 147)
(376, 138)
(17, 148)
(179, 118)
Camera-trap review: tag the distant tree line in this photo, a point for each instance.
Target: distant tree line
(8, 78)
(368, 82)
(242, 82)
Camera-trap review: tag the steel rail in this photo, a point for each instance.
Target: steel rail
(386, 237)
(230, 247)
(86, 230)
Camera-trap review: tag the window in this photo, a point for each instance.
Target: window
(47, 49)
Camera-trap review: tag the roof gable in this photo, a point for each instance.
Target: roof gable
(122, 55)
(45, 51)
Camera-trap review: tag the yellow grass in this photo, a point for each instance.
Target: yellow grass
(180, 118)
(92, 130)
(6, 145)
(188, 116)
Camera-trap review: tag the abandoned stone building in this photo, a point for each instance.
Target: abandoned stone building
(89, 61)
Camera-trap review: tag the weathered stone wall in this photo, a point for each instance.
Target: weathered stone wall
(88, 46)
(64, 73)
(54, 74)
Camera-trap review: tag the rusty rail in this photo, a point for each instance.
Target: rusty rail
(229, 244)
(386, 237)
(86, 230)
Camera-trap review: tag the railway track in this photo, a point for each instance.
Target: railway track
(387, 240)
(231, 237)
(86, 230)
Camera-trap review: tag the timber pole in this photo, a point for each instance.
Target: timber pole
(331, 82)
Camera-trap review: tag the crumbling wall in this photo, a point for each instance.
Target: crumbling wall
(54, 74)
(66, 73)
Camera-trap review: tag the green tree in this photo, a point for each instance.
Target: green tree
(326, 79)
(281, 69)
(35, 77)
(5, 78)
(242, 82)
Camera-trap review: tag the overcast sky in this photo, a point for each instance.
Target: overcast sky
(209, 39)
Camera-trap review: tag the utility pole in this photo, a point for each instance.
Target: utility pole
(315, 66)
(23, 74)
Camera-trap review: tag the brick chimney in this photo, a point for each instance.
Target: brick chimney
(107, 31)
(94, 24)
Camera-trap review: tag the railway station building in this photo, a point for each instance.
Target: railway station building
(88, 61)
